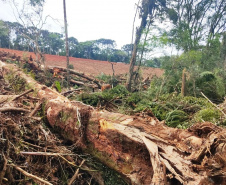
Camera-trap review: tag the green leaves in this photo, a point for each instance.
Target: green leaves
(36, 2)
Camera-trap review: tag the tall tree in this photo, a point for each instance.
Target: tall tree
(148, 11)
(29, 15)
(4, 35)
(66, 42)
(195, 21)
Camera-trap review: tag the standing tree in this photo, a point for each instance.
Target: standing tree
(148, 11)
(4, 35)
(30, 18)
(195, 21)
(66, 42)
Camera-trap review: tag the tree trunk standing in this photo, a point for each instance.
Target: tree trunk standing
(66, 43)
(145, 9)
(183, 86)
(223, 51)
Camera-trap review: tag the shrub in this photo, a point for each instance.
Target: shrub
(175, 118)
(89, 99)
(71, 66)
(208, 114)
(57, 84)
(119, 91)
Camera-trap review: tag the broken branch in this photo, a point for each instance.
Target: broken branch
(9, 109)
(31, 175)
(76, 174)
(24, 93)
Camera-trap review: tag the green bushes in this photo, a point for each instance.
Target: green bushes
(209, 114)
(90, 99)
(175, 118)
(176, 110)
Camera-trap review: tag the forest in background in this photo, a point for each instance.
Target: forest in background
(12, 36)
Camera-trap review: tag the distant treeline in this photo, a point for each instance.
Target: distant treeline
(15, 36)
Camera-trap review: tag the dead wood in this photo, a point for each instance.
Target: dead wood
(24, 93)
(37, 107)
(44, 153)
(31, 175)
(71, 91)
(3, 171)
(127, 144)
(4, 98)
(76, 174)
(76, 82)
(80, 75)
(9, 109)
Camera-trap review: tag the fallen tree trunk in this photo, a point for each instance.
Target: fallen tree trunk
(142, 149)
(80, 75)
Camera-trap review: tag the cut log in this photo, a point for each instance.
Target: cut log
(80, 75)
(142, 150)
(76, 82)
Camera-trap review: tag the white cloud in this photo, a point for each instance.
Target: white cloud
(88, 19)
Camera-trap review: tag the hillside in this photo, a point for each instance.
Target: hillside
(88, 66)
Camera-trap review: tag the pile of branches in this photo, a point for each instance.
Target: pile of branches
(30, 152)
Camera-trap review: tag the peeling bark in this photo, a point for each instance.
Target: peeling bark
(141, 149)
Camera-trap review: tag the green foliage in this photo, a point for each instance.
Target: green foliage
(108, 79)
(134, 98)
(175, 118)
(208, 114)
(32, 74)
(159, 110)
(105, 78)
(117, 92)
(89, 99)
(17, 83)
(71, 66)
(37, 2)
(4, 32)
(58, 86)
(211, 85)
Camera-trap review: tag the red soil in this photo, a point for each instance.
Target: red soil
(88, 66)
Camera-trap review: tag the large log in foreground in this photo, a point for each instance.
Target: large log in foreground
(142, 149)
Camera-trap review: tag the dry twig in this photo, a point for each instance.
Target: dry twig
(24, 93)
(76, 174)
(37, 107)
(31, 175)
(9, 109)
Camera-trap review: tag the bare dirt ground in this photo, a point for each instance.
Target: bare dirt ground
(87, 66)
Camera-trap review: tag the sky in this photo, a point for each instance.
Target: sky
(88, 19)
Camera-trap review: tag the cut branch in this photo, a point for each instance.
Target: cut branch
(10, 109)
(24, 93)
(80, 75)
(30, 175)
(37, 107)
(44, 153)
(76, 174)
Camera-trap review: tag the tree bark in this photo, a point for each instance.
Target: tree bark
(138, 148)
(145, 5)
(66, 42)
(183, 85)
(80, 75)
